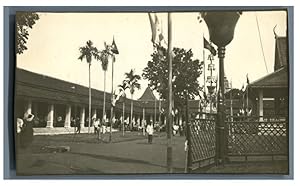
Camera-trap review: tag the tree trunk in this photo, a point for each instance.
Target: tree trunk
(104, 113)
(90, 98)
(131, 112)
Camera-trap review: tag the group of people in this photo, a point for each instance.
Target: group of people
(178, 129)
(24, 130)
(99, 128)
(244, 112)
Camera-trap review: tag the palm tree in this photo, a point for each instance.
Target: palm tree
(132, 82)
(104, 55)
(122, 89)
(88, 52)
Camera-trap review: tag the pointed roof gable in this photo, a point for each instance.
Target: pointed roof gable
(281, 53)
(148, 95)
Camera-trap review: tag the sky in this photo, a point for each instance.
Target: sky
(54, 41)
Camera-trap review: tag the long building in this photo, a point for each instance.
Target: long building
(54, 102)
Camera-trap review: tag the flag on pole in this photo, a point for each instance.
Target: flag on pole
(248, 82)
(209, 47)
(114, 47)
(156, 29)
(242, 89)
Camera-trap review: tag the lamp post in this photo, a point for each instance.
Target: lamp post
(221, 27)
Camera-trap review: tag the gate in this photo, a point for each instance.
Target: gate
(201, 141)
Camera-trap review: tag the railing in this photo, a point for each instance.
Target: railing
(257, 136)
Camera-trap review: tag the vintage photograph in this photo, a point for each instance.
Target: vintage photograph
(201, 92)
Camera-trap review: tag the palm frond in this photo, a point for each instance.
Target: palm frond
(88, 51)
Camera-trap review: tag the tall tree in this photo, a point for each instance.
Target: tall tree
(186, 72)
(104, 56)
(88, 52)
(24, 22)
(132, 81)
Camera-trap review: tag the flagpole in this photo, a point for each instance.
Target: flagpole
(247, 89)
(159, 109)
(204, 66)
(112, 94)
(247, 97)
(154, 110)
(231, 109)
(210, 111)
(170, 119)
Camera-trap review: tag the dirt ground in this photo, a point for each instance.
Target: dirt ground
(129, 154)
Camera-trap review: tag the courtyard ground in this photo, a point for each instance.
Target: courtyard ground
(129, 154)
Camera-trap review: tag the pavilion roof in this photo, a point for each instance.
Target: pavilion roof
(148, 95)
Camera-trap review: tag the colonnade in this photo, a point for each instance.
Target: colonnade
(32, 107)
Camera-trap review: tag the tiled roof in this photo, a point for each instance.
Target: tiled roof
(45, 88)
(277, 79)
(148, 95)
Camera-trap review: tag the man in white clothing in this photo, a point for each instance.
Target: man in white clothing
(150, 131)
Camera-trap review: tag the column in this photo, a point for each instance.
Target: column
(82, 117)
(68, 117)
(138, 120)
(35, 109)
(50, 116)
(180, 119)
(94, 114)
(143, 121)
(261, 104)
(29, 107)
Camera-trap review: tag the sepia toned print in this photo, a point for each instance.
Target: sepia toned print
(142, 93)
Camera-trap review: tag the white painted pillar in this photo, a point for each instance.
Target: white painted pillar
(50, 116)
(143, 113)
(261, 104)
(139, 121)
(68, 117)
(180, 119)
(94, 115)
(82, 117)
(29, 107)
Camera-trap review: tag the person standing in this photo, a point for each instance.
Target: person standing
(97, 127)
(94, 123)
(19, 130)
(103, 131)
(77, 123)
(150, 131)
(26, 134)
